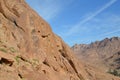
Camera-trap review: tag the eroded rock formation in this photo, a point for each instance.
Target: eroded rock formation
(29, 50)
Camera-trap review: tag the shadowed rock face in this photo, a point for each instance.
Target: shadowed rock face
(29, 50)
(114, 61)
(105, 53)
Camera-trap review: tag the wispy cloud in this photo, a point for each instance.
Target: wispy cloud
(76, 28)
(109, 33)
(49, 9)
(106, 25)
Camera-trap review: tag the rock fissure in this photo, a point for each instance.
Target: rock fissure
(6, 61)
(18, 26)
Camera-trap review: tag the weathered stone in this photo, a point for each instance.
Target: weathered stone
(38, 54)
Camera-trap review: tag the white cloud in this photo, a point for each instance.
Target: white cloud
(76, 27)
(106, 25)
(111, 32)
(49, 9)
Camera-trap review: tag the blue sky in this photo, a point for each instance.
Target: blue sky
(80, 21)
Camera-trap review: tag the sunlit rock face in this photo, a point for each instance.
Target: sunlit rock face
(29, 50)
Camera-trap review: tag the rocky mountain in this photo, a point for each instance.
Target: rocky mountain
(29, 50)
(114, 61)
(105, 53)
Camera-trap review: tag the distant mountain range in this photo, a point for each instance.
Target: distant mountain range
(104, 54)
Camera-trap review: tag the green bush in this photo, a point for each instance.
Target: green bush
(3, 50)
(17, 58)
(12, 49)
(114, 72)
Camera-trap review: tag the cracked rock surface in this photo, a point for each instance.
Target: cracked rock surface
(29, 50)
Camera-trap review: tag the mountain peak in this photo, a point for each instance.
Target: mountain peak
(103, 53)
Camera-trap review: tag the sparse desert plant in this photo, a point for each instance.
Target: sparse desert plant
(35, 62)
(33, 31)
(3, 50)
(114, 72)
(17, 59)
(12, 49)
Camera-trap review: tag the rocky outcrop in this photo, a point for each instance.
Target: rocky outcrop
(29, 50)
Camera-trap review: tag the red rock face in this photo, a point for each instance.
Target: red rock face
(29, 50)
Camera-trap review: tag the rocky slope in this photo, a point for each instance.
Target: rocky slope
(29, 50)
(114, 61)
(103, 53)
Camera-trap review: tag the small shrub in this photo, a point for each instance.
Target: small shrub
(33, 31)
(12, 49)
(17, 59)
(3, 50)
(35, 62)
(114, 72)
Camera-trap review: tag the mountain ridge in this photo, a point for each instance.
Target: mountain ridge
(103, 52)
